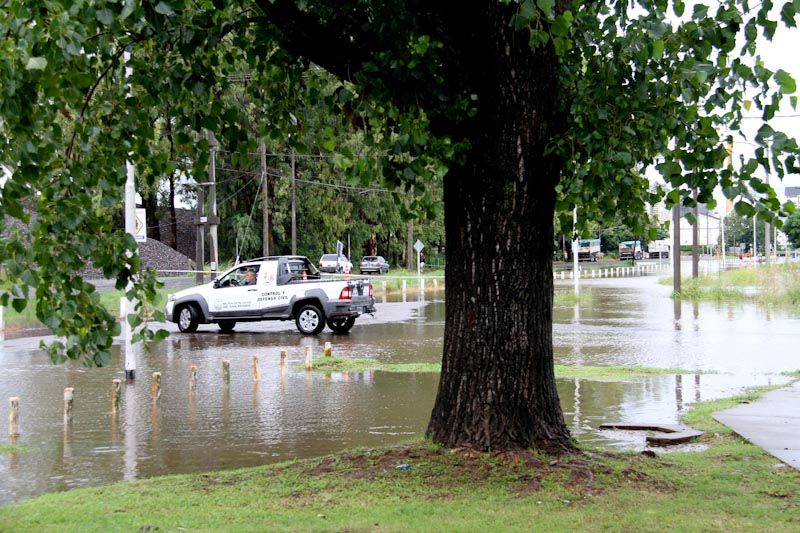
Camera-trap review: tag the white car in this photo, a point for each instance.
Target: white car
(273, 288)
(335, 264)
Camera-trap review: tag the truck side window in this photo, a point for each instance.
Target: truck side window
(238, 277)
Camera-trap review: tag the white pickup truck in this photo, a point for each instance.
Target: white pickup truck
(273, 288)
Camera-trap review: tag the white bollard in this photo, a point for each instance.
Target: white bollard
(69, 400)
(226, 371)
(328, 349)
(256, 369)
(192, 377)
(309, 358)
(13, 416)
(155, 387)
(562, 274)
(116, 389)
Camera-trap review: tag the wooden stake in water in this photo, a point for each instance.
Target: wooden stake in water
(328, 349)
(309, 360)
(116, 389)
(256, 370)
(69, 398)
(155, 386)
(13, 416)
(192, 377)
(283, 357)
(226, 371)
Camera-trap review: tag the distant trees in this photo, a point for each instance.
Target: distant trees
(792, 229)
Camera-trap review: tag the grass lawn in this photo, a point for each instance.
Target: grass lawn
(773, 285)
(340, 364)
(108, 299)
(729, 486)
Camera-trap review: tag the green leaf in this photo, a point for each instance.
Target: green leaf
(19, 304)
(546, 6)
(786, 82)
(36, 63)
(134, 320)
(127, 9)
(744, 209)
(527, 10)
(657, 49)
(163, 8)
(105, 17)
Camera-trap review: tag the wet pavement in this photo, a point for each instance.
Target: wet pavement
(771, 422)
(292, 413)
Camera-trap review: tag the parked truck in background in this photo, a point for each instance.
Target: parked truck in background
(630, 250)
(658, 249)
(588, 249)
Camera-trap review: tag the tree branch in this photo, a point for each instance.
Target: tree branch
(90, 94)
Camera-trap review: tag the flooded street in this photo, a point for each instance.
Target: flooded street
(291, 413)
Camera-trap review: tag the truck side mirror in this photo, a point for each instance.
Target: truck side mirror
(216, 283)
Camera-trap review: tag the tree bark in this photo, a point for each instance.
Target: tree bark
(151, 208)
(173, 219)
(497, 389)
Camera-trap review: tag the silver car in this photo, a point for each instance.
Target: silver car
(373, 263)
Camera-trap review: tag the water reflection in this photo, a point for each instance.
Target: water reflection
(199, 423)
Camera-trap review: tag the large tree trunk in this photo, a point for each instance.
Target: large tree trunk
(497, 388)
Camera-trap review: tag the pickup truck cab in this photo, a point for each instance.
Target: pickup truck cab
(273, 288)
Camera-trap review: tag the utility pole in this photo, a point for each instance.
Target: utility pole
(576, 273)
(755, 240)
(676, 248)
(696, 239)
(262, 148)
(294, 207)
(199, 250)
(767, 231)
(213, 220)
(410, 235)
(722, 232)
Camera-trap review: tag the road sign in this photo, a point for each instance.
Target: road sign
(339, 248)
(418, 246)
(141, 225)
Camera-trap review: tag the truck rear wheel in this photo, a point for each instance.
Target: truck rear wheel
(310, 320)
(341, 326)
(187, 319)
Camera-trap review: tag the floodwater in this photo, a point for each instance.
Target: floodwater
(292, 413)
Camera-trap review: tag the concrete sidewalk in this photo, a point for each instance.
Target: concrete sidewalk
(771, 422)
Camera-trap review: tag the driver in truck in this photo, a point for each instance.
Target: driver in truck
(250, 277)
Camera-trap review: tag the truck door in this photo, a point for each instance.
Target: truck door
(236, 293)
(273, 294)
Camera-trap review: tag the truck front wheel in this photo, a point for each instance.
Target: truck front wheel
(341, 326)
(310, 320)
(187, 319)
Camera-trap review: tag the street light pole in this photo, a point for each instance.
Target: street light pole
(127, 305)
(213, 220)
